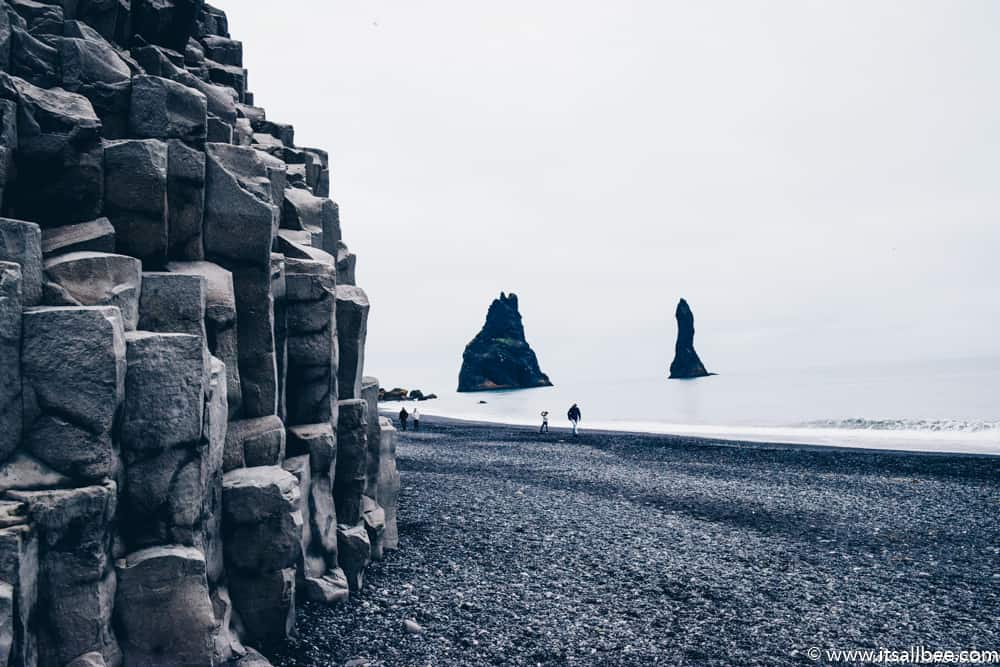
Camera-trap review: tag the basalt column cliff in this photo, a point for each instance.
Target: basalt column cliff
(181, 454)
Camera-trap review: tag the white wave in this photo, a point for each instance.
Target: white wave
(926, 440)
(931, 425)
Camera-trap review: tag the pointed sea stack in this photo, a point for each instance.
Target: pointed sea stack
(499, 357)
(686, 363)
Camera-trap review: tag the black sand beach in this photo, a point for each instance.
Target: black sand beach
(629, 549)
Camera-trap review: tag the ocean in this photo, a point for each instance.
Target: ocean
(946, 406)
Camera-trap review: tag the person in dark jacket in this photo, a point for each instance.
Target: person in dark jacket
(574, 416)
(403, 416)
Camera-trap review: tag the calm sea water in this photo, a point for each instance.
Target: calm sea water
(942, 406)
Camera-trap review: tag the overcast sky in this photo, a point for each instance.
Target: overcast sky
(821, 180)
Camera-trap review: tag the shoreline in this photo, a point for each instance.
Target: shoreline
(635, 549)
(708, 438)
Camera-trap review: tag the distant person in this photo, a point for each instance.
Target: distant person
(403, 416)
(416, 419)
(545, 422)
(574, 416)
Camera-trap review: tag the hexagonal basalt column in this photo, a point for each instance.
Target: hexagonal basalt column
(73, 375)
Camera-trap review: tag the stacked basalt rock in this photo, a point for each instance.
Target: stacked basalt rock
(183, 452)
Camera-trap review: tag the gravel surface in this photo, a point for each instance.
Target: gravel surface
(625, 549)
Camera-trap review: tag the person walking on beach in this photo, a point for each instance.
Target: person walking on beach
(545, 422)
(403, 416)
(574, 416)
(416, 419)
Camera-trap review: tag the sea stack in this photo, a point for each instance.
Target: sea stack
(499, 357)
(686, 363)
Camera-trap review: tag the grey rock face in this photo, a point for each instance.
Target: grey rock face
(164, 498)
(168, 23)
(351, 465)
(19, 569)
(71, 449)
(34, 58)
(369, 393)
(170, 468)
(352, 331)
(284, 132)
(254, 442)
(135, 181)
(319, 442)
(298, 466)
(23, 472)
(296, 246)
(60, 160)
(165, 391)
(322, 186)
(228, 76)
(213, 21)
(317, 215)
(6, 622)
(11, 406)
(96, 279)
(88, 62)
(346, 266)
(186, 201)
(94, 236)
(136, 373)
(220, 99)
(219, 131)
(278, 292)
(5, 35)
(165, 109)
(312, 357)
(76, 583)
(227, 643)
(107, 17)
(42, 19)
(21, 243)
(242, 132)
(316, 440)
(332, 587)
(265, 602)
(373, 516)
(262, 526)
(241, 218)
(354, 553)
(73, 372)
(214, 433)
(173, 303)
(92, 659)
(220, 321)
(8, 137)
(319, 578)
(257, 346)
(388, 482)
(262, 530)
(164, 607)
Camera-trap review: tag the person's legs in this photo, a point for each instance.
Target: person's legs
(402, 424)
(575, 423)
(416, 424)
